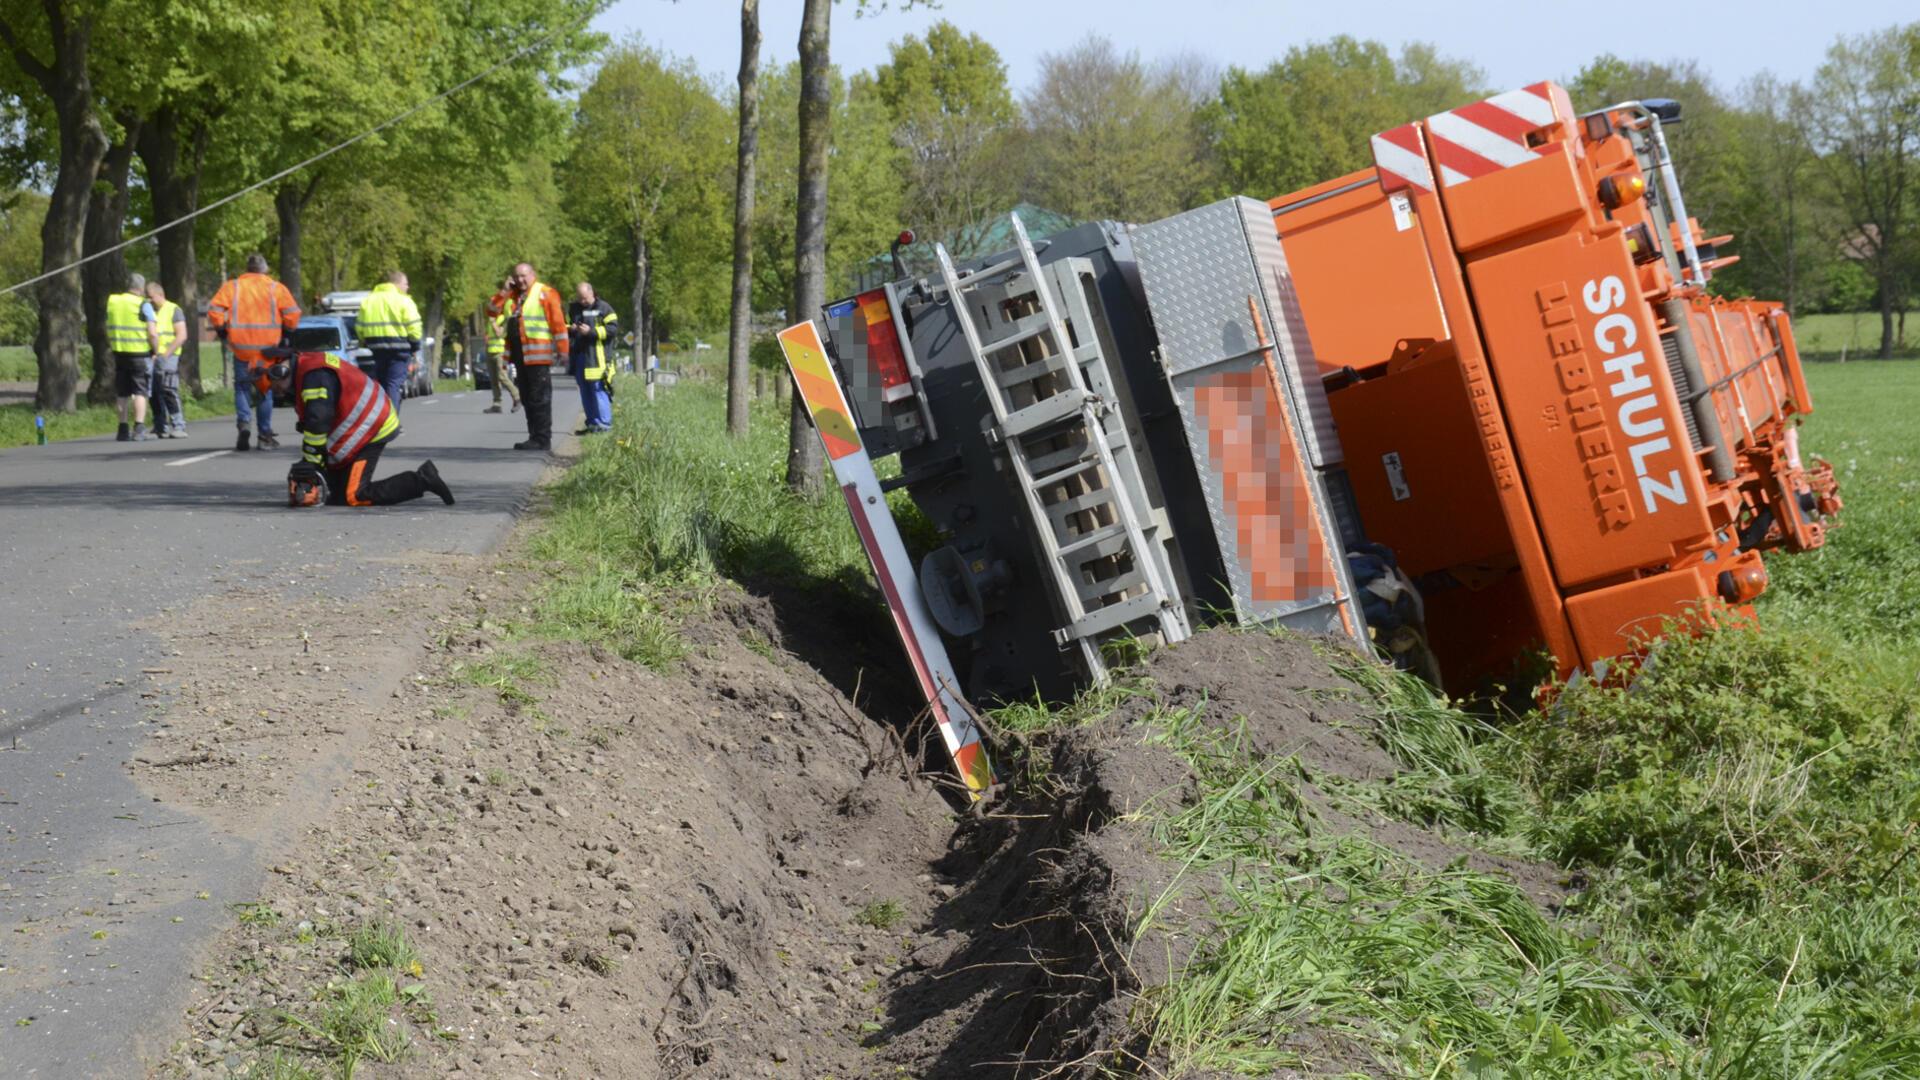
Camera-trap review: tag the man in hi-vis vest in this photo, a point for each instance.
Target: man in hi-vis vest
(536, 331)
(345, 422)
(132, 337)
(170, 323)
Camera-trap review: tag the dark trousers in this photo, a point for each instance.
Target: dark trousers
(536, 394)
(390, 369)
(352, 484)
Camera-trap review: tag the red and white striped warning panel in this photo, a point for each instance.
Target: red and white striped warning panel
(1401, 158)
(1473, 140)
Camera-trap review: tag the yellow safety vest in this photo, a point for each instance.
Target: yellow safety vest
(126, 331)
(388, 318)
(497, 334)
(164, 314)
(536, 338)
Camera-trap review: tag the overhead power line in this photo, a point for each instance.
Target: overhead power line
(322, 155)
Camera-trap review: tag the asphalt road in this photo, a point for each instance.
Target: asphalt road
(96, 536)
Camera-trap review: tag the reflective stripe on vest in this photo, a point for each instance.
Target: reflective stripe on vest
(126, 332)
(164, 313)
(385, 321)
(536, 337)
(361, 415)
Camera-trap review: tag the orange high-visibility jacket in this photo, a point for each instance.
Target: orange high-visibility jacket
(255, 310)
(535, 351)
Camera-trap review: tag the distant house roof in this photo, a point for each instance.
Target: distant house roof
(982, 238)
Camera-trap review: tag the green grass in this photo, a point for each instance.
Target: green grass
(366, 1014)
(380, 945)
(508, 674)
(18, 364)
(1857, 600)
(1856, 334)
(16, 420)
(667, 505)
(881, 914)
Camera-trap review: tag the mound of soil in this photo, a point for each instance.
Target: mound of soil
(730, 870)
(1039, 970)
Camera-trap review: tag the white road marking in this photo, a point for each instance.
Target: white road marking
(197, 458)
(428, 401)
(460, 395)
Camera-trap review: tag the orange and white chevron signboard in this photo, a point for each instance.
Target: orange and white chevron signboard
(1471, 141)
(880, 536)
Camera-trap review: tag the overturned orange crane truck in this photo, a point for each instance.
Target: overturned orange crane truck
(1471, 404)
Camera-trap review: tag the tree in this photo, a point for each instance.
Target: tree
(868, 187)
(1108, 137)
(810, 222)
(740, 326)
(1866, 126)
(20, 217)
(952, 118)
(107, 273)
(650, 150)
(1309, 116)
(1775, 211)
(62, 73)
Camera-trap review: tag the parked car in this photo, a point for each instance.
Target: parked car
(345, 305)
(328, 334)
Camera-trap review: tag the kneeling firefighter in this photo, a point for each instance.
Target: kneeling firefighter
(345, 421)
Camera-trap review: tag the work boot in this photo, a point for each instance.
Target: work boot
(268, 442)
(430, 476)
(242, 442)
(124, 435)
(532, 444)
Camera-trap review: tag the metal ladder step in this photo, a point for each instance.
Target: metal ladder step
(1113, 616)
(1110, 532)
(1030, 327)
(1043, 413)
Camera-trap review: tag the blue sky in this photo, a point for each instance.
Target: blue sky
(1516, 43)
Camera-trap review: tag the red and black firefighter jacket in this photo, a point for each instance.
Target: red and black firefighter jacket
(342, 412)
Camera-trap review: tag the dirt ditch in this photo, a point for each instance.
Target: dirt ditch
(732, 870)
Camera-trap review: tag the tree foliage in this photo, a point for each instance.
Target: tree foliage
(1108, 136)
(1307, 117)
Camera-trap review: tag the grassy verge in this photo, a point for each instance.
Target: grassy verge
(1742, 820)
(666, 505)
(16, 421)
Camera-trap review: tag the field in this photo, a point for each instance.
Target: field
(1860, 595)
(1854, 334)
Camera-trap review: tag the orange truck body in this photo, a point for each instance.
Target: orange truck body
(1563, 436)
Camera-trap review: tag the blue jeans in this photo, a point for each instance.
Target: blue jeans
(390, 370)
(246, 398)
(597, 403)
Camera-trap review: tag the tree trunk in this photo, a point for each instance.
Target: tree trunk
(106, 275)
(433, 320)
(176, 194)
(1886, 321)
(289, 202)
(739, 336)
(82, 144)
(641, 290)
(810, 226)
